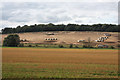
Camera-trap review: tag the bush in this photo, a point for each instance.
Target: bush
(112, 47)
(36, 45)
(76, 46)
(61, 46)
(11, 40)
(118, 45)
(84, 46)
(30, 46)
(71, 46)
(25, 40)
(21, 45)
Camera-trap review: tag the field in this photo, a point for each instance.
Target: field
(67, 37)
(59, 63)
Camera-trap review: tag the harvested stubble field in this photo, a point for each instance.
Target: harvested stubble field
(66, 37)
(59, 63)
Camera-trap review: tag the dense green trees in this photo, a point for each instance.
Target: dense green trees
(62, 27)
(11, 41)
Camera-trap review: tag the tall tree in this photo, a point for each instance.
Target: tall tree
(11, 41)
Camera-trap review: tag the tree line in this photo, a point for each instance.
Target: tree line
(62, 27)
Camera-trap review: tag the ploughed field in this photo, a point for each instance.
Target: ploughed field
(59, 63)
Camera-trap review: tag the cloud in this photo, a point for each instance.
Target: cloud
(59, 0)
(21, 13)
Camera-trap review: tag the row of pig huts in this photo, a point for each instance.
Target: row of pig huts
(51, 39)
(101, 39)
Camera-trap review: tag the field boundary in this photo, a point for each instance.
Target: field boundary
(60, 79)
(63, 48)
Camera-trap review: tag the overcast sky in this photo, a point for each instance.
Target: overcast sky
(21, 13)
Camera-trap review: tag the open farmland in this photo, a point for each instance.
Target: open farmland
(59, 63)
(67, 37)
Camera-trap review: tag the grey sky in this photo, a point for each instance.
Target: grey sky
(21, 13)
